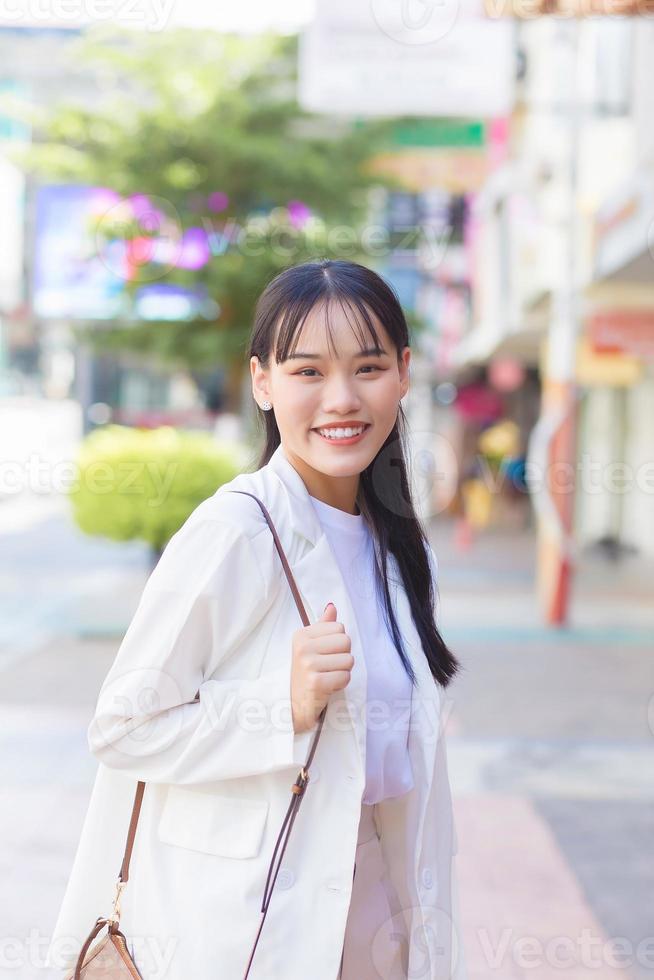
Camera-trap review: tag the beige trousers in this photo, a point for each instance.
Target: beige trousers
(375, 946)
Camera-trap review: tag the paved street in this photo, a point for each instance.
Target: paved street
(550, 754)
(66, 599)
(551, 758)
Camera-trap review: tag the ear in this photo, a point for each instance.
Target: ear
(403, 367)
(260, 381)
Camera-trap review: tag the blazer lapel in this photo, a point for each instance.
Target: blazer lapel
(320, 581)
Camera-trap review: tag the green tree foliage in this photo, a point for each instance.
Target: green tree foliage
(184, 115)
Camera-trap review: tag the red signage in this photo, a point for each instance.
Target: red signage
(530, 9)
(622, 331)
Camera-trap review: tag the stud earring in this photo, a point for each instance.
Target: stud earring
(266, 406)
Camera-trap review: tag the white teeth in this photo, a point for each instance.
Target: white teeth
(341, 433)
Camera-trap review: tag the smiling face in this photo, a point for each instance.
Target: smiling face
(335, 386)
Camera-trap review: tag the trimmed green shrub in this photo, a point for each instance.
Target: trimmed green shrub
(143, 483)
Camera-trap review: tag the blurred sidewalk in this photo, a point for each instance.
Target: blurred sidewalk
(551, 758)
(550, 754)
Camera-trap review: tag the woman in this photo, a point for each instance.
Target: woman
(367, 887)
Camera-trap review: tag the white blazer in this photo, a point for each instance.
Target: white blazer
(217, 616)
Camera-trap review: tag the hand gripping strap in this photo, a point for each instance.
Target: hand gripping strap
(297, 791)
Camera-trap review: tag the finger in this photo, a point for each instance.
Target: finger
(328, 662)
(330, 643)
(322, 628)
(329, 613)
(333, 680)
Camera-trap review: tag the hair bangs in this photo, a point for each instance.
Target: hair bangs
(296, 312)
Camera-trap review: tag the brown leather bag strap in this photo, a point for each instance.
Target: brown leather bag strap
(297, 789)
(300, 784)
(98, 926)
(131, 834)
(298, 602)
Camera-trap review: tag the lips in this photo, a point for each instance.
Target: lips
(354, 424)
(343, 425)
(360, 431)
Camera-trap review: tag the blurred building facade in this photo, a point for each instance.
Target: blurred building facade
(478, 239)
(49, 284)
(522, 234)
(621, 300)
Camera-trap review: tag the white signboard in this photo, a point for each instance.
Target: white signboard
(624, 229)
(12, 191)
(407, 57)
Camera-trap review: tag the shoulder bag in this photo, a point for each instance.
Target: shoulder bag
(110, 958)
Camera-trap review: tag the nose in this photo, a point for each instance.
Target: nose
(340, 396)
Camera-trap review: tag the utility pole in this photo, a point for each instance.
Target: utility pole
(552, 449)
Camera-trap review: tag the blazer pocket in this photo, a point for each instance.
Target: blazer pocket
(223, 825)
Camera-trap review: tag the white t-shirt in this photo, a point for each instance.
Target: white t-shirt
(389, 689)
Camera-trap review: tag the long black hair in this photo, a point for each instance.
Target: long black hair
(384, 496)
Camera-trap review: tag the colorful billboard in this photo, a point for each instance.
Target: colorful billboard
(90, 243)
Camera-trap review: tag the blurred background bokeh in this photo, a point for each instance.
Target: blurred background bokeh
(159, 163)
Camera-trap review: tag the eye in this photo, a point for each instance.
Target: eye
(373, 367)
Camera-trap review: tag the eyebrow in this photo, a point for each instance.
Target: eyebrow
(368, 352)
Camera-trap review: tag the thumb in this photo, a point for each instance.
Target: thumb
(329, 613)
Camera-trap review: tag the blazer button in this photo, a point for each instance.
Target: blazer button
(427, 877)
(285, 878)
